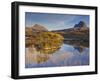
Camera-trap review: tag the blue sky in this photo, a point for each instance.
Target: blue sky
(54, 21)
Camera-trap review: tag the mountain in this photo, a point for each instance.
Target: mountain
(79, 33)
(33, 29)
(38, 28)
(81, 24)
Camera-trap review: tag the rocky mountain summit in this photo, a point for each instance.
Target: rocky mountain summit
(81, 26)
(38, 28)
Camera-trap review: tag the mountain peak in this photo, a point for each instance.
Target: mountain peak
(39, 28)
(81, 24)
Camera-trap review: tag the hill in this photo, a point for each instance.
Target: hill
(38, 28)
(35, 28)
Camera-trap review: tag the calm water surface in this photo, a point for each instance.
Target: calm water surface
(67, 55)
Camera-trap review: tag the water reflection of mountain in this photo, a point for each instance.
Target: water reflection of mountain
(42, 55)
(67, 55)
(79, 49)
(78, 45)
